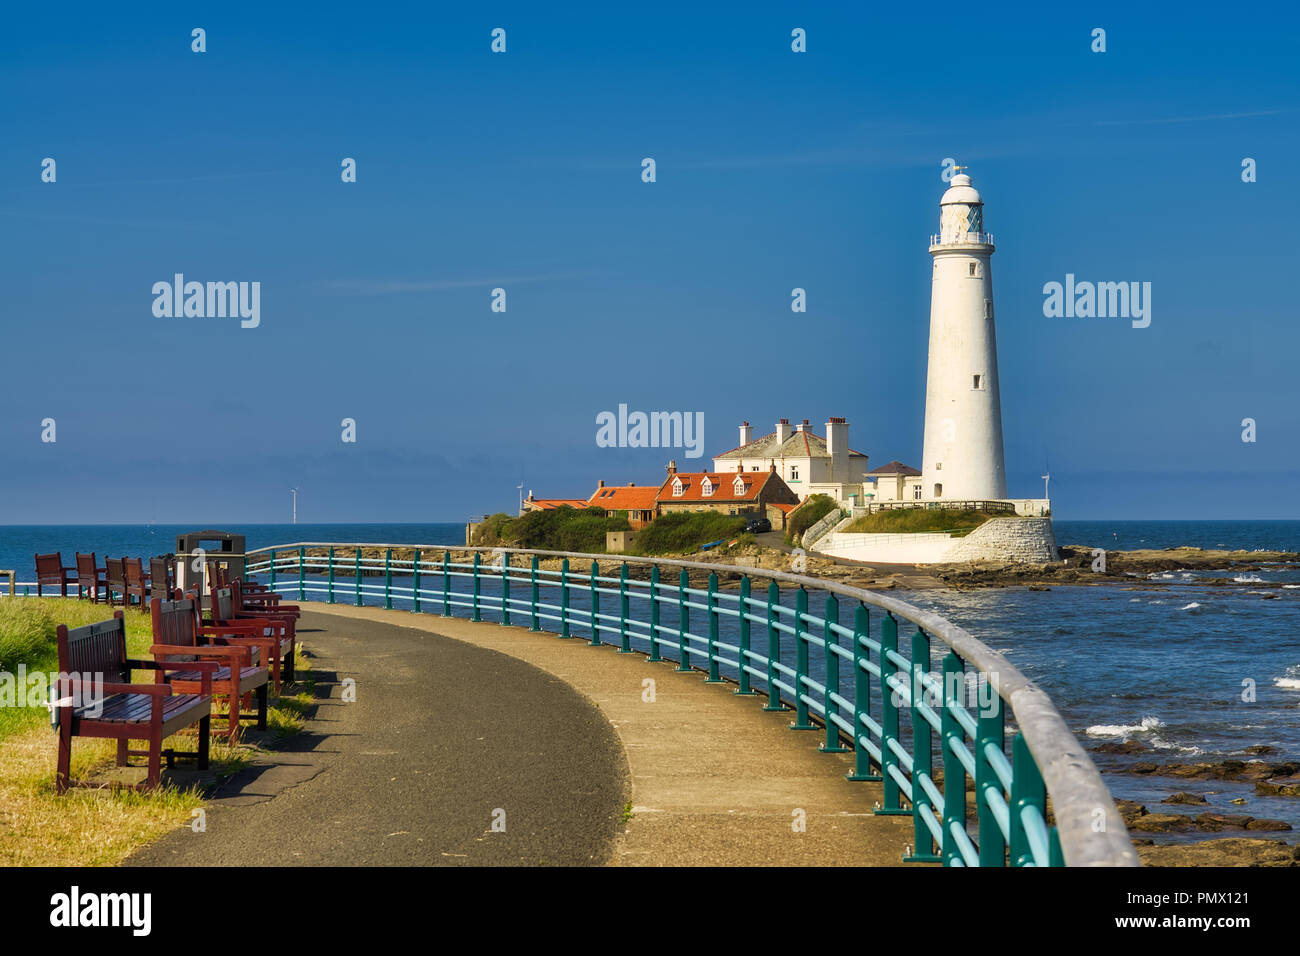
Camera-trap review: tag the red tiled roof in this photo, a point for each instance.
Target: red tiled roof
(549, 504)
(723, 486)
(624, 498)
(784, 507)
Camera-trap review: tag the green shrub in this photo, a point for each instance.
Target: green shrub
(560, 529)
(915, 520)
(812, 511)
(26, 633)
(684, 531)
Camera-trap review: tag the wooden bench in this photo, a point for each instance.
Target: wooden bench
(90, 577)
(50, 572)
(137, 582)
(226, 615)
(162, 577)
(254, 603)
(176, 640)
(127, 711)
(115, 578)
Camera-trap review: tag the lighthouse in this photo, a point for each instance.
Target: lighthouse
(963, 409)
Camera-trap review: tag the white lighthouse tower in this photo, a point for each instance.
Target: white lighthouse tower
(963, 410)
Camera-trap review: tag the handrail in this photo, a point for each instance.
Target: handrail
(1046, 760)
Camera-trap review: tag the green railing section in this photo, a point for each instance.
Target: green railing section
(861, 675)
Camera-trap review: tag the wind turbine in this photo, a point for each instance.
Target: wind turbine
(294, 492)
(520, 486)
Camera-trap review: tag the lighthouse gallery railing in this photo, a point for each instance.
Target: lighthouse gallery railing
(854, 681)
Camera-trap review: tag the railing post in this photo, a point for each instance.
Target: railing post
(742, 656)
(476, 616)
(388, 578)
(271, 585)
(595, 605)
(564, 598)
(714, 677)
(801, 721)
(773, 647)
(654, 613)
(415, 581)
(302, 584)
(889, 717)
(624, 631)
(505, 588)
(1027, 790)
(532, 576)
(331, 575)
(358, 577)
(831, 642)
(861, 697)
(446, 584)
(954, 774)
(991, 732)
(922, 753)
(683, 621)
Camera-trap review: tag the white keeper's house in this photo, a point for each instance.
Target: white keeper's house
(808, 463)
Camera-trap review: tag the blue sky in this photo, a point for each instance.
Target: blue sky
(522, 170)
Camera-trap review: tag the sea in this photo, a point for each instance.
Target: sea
(1194, 672)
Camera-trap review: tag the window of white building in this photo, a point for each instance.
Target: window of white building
(677, 487)
(706, 487)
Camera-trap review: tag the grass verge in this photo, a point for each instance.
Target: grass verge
(96, 827)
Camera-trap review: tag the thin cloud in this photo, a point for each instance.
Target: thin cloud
(1208, 118)
(391, 286)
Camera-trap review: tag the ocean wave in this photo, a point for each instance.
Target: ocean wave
(1124, 730)
(1287, 683)
(1248, 579)
(1159, 743)
(1190, 607)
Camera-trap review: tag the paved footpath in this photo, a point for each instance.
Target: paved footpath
(455, 719)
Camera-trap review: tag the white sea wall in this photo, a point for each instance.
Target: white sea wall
(1022, 540)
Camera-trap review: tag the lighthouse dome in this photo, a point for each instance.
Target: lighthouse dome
(961, 191)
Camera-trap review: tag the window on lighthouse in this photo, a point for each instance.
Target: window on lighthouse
(978, 381)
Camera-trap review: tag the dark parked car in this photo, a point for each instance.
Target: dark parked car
(758, 525)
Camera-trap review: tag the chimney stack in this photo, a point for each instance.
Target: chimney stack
(837, 447)
(601, 483)
(746, 433)
(672, 467)
(782, 430)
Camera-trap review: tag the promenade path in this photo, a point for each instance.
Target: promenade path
(454, 719)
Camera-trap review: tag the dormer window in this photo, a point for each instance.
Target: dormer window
(738, 488)
(677, 487)
(706, 487)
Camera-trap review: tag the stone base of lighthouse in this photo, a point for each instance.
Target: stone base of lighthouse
(1015, 540)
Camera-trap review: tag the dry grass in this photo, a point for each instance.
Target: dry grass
(99, 827)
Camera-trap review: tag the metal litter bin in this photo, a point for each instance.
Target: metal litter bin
(196, 550)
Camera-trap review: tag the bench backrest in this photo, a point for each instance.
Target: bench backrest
(87, 570)
(174, 623)
(134, 572)
(223, 604)
(160, 576)
(96, 649)
(218, 574)
(115, 572)
(49, 567)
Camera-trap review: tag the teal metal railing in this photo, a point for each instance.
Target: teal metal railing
(855, 666)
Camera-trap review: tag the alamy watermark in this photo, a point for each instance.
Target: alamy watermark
(212, 300)
(41, 689)
(1102, 300)
(651, 430)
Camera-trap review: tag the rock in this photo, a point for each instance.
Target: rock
(1184, 797)
(1279, 787)
(1233, 851)
(1214, 822)
(1121, 747)
(1162, 823)
(1261, 750)
(1268, 825)
(1238, 800)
